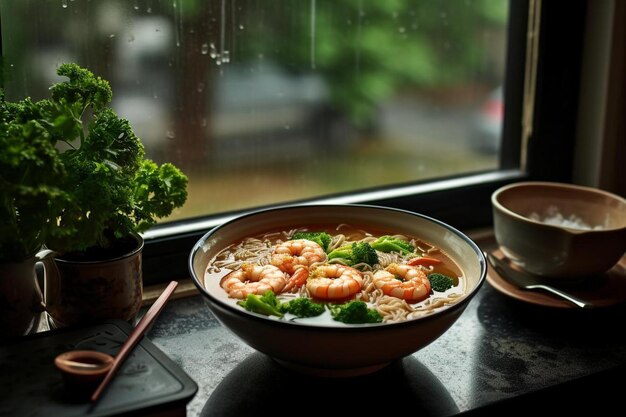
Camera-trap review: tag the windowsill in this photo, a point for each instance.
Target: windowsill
(185, 288)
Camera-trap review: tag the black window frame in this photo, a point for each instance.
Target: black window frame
(462, 201)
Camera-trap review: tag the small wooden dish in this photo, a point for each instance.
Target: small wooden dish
(83, 370)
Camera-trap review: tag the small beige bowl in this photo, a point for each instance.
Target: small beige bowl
(559, 230)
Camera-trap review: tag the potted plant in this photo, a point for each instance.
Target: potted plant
(108, 193)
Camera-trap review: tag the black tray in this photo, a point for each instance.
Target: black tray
(148, 382)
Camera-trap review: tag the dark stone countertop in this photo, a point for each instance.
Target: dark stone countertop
(500, 355)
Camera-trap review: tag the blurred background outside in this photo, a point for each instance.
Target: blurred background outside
(270, 102)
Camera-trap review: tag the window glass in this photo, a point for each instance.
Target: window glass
(263, 102)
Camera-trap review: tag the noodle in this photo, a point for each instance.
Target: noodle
(259, 250)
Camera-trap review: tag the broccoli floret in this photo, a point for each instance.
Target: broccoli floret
(266, 304)
(355, 253)
(321, 238)
(440, 282)
(364, 253)
(355, 312)
(343, 252)
(392, 244)
(302, 307)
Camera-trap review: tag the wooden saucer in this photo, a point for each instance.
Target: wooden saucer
(605, 290)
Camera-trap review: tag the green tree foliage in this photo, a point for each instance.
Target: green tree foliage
(368, 50)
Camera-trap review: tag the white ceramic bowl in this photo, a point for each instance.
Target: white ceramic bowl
(559, 230)
(342, 350)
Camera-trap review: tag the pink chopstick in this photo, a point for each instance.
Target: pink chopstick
(134, 337)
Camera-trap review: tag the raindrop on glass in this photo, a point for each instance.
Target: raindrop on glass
(213, 53)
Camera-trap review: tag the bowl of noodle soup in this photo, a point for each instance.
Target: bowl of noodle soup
(226, 264)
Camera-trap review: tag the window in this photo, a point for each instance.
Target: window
(416, 104)
(264, 103)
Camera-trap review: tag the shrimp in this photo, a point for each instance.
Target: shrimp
(292, 254)
(253, 279)
(403, 281)
(297, 279)
(334, 282)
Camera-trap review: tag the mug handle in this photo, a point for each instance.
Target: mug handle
(46, 257)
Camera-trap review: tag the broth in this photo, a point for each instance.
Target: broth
(259, 249)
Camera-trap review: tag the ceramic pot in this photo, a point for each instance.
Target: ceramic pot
(20, 298)
(83, 290)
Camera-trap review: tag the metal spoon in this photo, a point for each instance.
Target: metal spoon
(528, 281)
